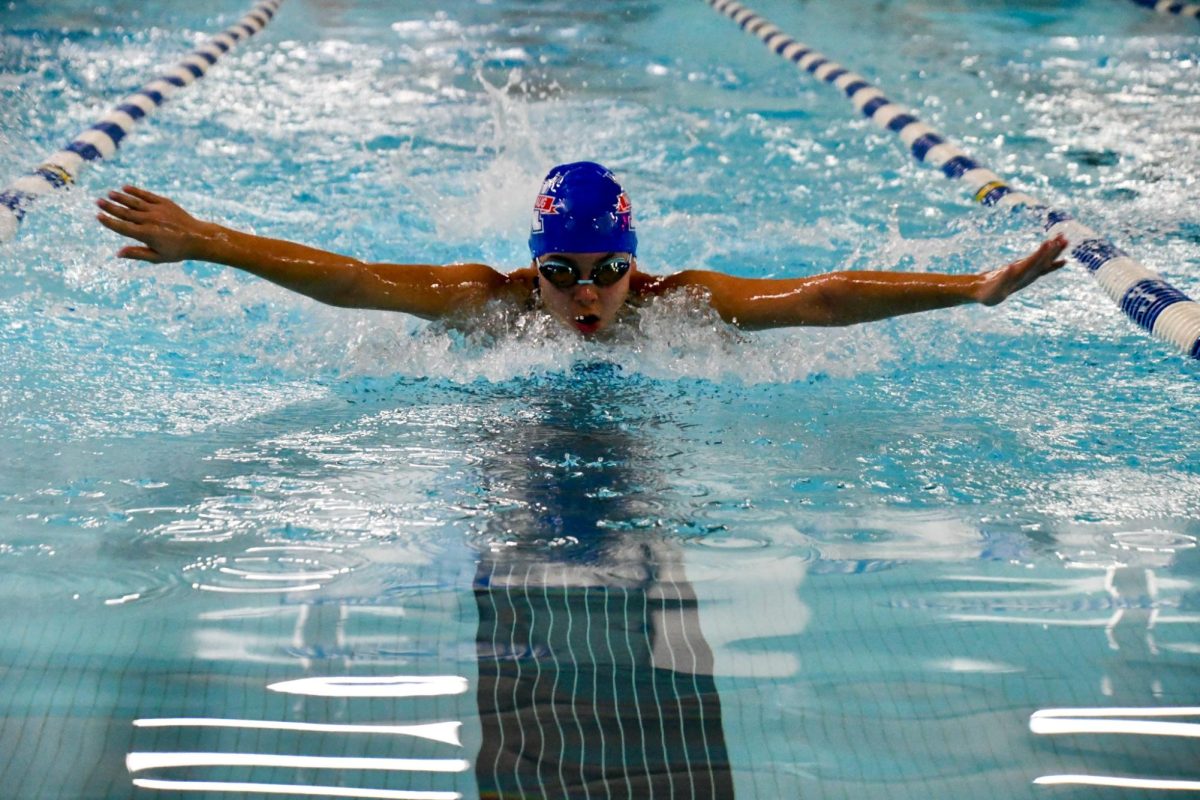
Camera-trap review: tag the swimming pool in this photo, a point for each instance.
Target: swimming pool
(691, 562)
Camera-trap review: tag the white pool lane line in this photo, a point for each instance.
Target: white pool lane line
(1142, 294)
(446, 732)
(389, 686)
(61, 170)
(138, 762)
(1110, 721)
(292, 789)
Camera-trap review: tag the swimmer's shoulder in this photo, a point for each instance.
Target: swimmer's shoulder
(519, 287)
(642, 284)
(646, 285)
(522, 276)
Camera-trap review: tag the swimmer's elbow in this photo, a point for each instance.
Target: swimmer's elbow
(829, 301)
(822, 301)
(348, 288)
(426, 291)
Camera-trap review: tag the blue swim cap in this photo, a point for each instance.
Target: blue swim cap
(582, 209)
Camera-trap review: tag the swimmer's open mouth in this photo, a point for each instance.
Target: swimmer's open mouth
(587, 324)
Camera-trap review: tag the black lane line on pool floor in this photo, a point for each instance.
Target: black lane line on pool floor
(594, 677)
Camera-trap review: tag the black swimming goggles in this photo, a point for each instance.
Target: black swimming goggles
(563, 274)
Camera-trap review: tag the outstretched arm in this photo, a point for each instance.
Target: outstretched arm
(845, 298)
(168, 233)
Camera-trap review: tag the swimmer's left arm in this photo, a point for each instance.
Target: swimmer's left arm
(846, 298)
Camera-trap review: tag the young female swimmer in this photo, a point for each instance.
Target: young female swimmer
(583, 271)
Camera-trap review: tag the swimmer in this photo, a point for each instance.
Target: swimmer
(583, 269)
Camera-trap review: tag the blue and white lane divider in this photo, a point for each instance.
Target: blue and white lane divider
(60, 170)
(1171, 7)
(1141, 293)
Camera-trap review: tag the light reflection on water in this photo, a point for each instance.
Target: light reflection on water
(904, 539)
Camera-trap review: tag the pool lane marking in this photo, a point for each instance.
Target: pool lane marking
(1118, 711)
(1171, 7)
(1139, 727)
(61, 170)
(374, 686)
(1075, 721)
(140, 762)
(1120, 782)
(446, 732)
(1142, 294)
(291, 788)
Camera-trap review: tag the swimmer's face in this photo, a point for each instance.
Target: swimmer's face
(587, 307)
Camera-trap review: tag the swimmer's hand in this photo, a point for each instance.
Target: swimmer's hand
(167, 232)
(998, 284)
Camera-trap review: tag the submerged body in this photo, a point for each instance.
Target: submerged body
(583, 271)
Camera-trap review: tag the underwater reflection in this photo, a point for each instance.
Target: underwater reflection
(594, 678)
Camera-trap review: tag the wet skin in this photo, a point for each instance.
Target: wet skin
(586, 307)
(164, 233)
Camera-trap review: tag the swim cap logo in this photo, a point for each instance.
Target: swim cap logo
(545, 204)
(625, 207)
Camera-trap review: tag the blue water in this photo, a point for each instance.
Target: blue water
(903, 538)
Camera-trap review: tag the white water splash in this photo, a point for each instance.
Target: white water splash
(672, 337)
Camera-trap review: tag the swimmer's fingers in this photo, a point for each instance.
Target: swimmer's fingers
(1047, 254)
(141, 254)
(119, 209)
(117, 225)
(166, 236)
(128, 200)
(133, 231)
(1025, 278)
(1043, 261)
(1000, 283)
(143, 195)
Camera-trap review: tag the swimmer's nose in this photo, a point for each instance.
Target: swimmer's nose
(586, 292)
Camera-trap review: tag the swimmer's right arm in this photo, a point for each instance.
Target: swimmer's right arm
(168, 233)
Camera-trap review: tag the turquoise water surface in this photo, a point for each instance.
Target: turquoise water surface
(247, 541)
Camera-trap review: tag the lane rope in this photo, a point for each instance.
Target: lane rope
(1171, 7)
(1141, 293)
(61, 170)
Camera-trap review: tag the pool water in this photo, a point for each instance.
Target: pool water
(248, 541)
